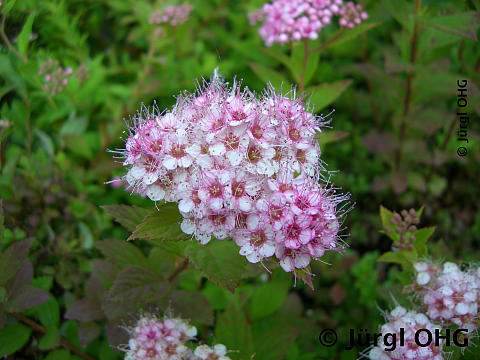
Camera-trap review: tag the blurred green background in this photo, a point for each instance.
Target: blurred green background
(392, 139)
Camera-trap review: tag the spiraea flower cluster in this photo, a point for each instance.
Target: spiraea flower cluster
(173, 15)
(239, 166)
(451, 296)
(55, 77)
(293, 20)
(153, 339)
(410, 323)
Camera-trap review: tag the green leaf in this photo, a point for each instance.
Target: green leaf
(298, 55)
(216, 295)
(323, 95)
(8, 5)
(58, 355)
(233, 330)
(284, 59)
(49, 312)
(344, 35)
(51, 338)
(128, 216)
(120, 252)
(219, 261)
(461, 24)
(331, 136)
(277, 79)
(13, 338)
(421, 238)
(273, 337)
(45, 142)
(393, 257)
(386, 216)
(11, 260)
(267, 299)
(24, 36)
(161, 224)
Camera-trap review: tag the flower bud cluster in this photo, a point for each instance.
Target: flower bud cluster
(55, 77)
(293, 20)
(409, 322)
(154, 339)
(450, 295)
(239, 167)
(405, 223)
(173, 15)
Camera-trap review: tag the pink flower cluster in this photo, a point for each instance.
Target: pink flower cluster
(293, 20)
(239, 167)
(55, 77)
(154, 339)
(173, 15)
(410, 322)
(451, 295)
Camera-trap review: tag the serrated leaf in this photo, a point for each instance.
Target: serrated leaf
(138, 284)
(386, 216)
(421, 238)
(13, 338)
(24, 36)
(233, 330)
(277, 79)
(85, 310)
(461, 24)
(120, 252)
(26, 297)
(219, 261)
(323, 95)
(128, 216)
(161, 224)
(11, 260)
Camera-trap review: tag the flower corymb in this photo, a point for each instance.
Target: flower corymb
(292, 20)
(241, 167)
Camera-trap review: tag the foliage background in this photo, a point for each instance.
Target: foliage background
(81, 280)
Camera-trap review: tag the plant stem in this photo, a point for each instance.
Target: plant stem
(36, 326)
(408, 89)
(306, 54)
(182, 266)
(329, 41)
(8, 43)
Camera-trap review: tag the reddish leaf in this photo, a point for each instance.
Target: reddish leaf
(138, 284)
(189, 305)
(87, 332)
(11, 260)
(378, 142)
(337, 293)
(85, 310)
(26, 297)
